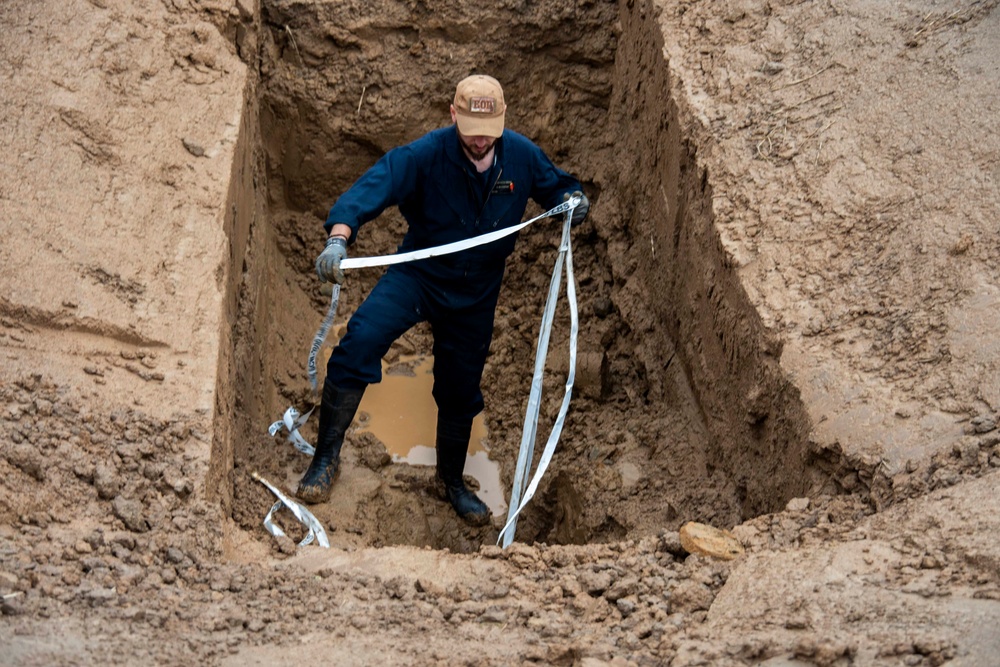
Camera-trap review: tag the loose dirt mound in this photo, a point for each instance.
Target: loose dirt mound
(789, 279)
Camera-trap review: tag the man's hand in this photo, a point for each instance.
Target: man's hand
(580, 212)
(328, 263)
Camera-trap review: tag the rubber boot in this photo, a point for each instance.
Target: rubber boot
(336, 411)
(452, 446)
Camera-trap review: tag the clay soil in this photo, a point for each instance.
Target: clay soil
(788, 288)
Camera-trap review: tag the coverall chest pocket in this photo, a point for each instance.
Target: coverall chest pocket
(447, 208)
(503, 210)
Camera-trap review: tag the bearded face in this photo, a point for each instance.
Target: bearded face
(477, 147)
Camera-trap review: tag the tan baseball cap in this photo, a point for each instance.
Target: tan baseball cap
(479, 106)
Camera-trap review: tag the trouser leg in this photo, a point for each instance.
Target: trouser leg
(461, 343)
(452, 448)
(391, 308)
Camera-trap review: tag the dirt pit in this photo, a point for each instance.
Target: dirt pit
(648, 443)
(801, 188)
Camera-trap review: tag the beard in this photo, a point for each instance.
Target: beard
(473, 152)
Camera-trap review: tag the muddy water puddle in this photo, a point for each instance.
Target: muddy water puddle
(400, 411)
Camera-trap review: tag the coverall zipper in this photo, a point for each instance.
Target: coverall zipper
(489, 193)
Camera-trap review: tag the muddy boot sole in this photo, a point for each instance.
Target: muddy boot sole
(319, 485)
(466, 504)
(474, 519)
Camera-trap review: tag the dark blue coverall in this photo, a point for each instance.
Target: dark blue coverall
(443, 199)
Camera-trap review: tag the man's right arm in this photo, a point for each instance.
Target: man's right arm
(385, 184)
(341, 230)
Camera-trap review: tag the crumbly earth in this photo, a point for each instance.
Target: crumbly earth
(788, 293)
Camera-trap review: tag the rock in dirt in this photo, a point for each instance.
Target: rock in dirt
(286, 545)
(697, 538)
(371, 451)
(27, 458)
(11, 607)
(984, 424)
(797, 505)
(690, 596)
(670, 542)
(174, 480)
(106, 481)
(130, 513)
(8, 582)
(193, 147)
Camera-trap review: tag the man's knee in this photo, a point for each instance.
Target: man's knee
(457, 402)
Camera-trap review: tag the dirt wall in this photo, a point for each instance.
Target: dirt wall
(758, 425)
(246, 295)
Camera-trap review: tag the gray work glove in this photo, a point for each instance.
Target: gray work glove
(580, 212)
(328, 263)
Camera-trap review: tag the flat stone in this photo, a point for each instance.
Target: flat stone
(797, 505)
(697, 538)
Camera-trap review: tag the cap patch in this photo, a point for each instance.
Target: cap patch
(482, 105)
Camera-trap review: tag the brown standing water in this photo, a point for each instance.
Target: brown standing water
(400, 412)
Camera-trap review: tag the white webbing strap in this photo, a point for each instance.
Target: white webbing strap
(292, 421)
(304, 516)
(437, 251)
(448, 248)
(320, 336)
(519, 495)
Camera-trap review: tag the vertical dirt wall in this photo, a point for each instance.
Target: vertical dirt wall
(754, 414)
(243, 356)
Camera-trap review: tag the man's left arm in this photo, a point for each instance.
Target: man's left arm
(551, 186)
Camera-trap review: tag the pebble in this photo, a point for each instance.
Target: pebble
(493, 615)
(27, 458)
(983, 424)
(625, 606)
(797, 505)
(595, 583)
(702, 539)
(691, 596)
(130, 513)
(193, 147)
(621, 589)
(106, 481)
(603, 306)
(11, 607)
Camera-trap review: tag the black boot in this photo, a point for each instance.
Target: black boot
(452, 446)
(336, 411)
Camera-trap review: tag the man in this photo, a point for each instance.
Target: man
(454, 183)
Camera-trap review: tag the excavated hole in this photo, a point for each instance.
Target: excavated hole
(660, 432)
